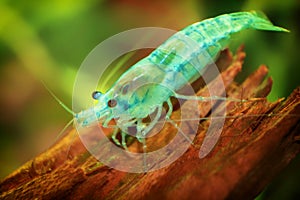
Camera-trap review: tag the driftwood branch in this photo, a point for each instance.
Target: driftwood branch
(258, 140)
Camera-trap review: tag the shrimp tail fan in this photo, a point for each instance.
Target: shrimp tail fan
(261, 22)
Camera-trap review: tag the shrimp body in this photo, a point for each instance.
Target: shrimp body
(149, 83)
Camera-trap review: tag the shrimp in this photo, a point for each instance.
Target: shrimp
(175, 63)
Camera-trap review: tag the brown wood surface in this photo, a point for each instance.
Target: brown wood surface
(258, 140)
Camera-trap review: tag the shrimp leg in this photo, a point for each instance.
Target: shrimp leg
(200, 98)
(168, 115)
(172, 122)
(142, 140)
(153, 122)
(124, 145)
(142, 133)
(105, 124)
(182, 133)
(116, 141)
(144, 154)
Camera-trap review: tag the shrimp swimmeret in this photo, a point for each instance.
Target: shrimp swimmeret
(177, 61)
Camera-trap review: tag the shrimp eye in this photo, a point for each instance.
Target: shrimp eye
(96, 95)
(112, 103)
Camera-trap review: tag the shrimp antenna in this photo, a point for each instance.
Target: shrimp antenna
(64, 129)
(59, 101)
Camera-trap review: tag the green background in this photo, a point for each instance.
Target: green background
(46, 41)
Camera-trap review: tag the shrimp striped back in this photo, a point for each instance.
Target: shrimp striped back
(210, 31)
(188, 51)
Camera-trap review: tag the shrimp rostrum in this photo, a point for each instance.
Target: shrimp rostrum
(147, 85)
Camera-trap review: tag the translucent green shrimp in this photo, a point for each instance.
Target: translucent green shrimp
(176, 62)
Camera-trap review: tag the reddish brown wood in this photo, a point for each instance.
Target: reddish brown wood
(257, 142)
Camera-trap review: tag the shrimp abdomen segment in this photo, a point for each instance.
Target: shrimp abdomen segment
(191, 49)
(210, 31)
